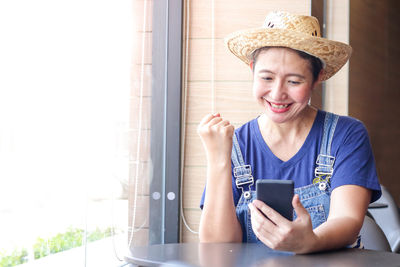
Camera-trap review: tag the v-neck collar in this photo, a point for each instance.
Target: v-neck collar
(300, 153)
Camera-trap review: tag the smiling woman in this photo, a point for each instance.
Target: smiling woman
(289, 140)
(64, 118)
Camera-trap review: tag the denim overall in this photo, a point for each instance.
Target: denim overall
(314, 197)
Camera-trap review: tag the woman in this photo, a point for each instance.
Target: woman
(328, 157)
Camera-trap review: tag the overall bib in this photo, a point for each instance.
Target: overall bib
(315, 197)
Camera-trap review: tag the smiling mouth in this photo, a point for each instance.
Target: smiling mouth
(276, 105)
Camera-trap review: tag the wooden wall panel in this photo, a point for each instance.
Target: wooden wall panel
(194, 152)
(233, 15)
(193, 218)
(199, 99)
(336, 89)
(374, 88)
(228, 94)
(235, 100)
(191, 190)
(226, 89)
(200, 68)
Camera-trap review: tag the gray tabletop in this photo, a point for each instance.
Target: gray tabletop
(238, 254)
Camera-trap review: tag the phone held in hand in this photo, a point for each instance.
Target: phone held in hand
(277, 194)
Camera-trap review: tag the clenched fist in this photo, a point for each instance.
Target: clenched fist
(216, 134)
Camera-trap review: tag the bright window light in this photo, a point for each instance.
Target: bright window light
(64, 116)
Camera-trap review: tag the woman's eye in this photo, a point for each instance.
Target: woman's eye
(267, 78)
(294, 82)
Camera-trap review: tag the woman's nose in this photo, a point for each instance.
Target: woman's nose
(278, 91)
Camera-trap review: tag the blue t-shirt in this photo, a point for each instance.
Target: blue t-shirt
(354, 161)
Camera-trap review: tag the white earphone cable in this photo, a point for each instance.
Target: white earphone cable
(185, 89)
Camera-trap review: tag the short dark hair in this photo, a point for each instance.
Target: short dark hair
(315, 63)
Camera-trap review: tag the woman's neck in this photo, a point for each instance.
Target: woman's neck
(285, 139)
(302, 123)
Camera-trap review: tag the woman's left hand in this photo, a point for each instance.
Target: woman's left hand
(278, 233)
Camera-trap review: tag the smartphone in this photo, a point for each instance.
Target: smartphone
(277, 194)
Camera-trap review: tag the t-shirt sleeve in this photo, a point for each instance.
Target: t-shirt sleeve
(354, 162)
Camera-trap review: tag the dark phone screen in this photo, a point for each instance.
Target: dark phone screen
(277, 194)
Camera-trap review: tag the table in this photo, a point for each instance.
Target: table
(254, 255)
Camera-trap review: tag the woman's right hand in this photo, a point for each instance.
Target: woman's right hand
(216, 135)
(218, 221)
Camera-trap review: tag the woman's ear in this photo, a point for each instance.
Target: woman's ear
(319, 79)
(320, 75)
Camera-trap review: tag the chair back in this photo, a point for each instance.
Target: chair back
(372, 236)
(388, 218)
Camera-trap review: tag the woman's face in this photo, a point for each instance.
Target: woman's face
(283, 83)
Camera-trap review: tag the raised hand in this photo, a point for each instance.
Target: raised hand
(216, 135)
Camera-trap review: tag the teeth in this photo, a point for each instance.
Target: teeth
(279, 106)
(275, 105)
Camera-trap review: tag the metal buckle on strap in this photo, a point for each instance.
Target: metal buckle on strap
(325, 165)
(325, 160)
(243, 177)
(248, 180)
(243, 170)
(323, 171)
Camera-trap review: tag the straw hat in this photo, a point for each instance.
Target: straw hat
(298, 32)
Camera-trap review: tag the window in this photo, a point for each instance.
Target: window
(65, 106)
(155, 184)
(89, 129)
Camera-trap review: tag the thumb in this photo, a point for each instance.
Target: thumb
(298, 207)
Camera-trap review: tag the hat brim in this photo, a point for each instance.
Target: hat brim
(332, 53)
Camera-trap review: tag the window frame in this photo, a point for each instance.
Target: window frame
(164, 212)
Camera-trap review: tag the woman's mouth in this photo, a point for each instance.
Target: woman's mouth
(278, 107)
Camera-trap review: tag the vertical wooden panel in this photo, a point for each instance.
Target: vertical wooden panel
(337, 28)
(374, 90)
(234, 15)
(317, 10)
(227, 87)
(192, 219)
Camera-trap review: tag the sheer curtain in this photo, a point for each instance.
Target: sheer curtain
(65, 125)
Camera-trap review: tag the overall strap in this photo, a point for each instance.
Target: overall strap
(324, 170)
(325, 161)
(241, 172)
(237, 158)
(329, 130)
